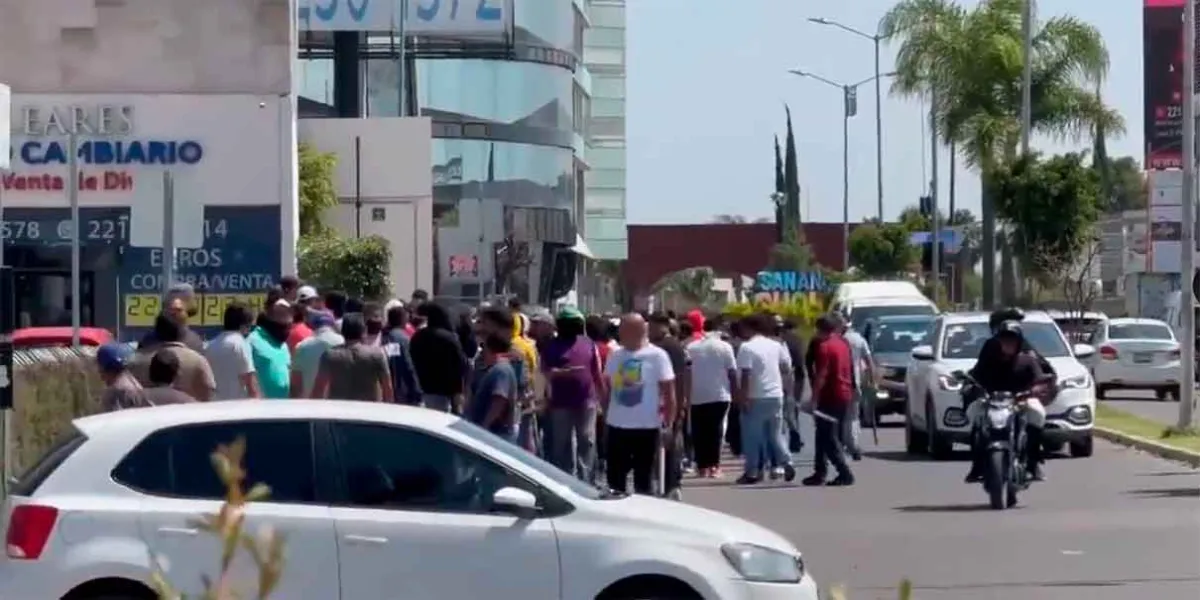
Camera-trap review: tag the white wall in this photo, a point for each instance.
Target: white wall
(147, 46)
(394, 162)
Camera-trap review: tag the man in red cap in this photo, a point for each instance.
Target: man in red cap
(696, 320)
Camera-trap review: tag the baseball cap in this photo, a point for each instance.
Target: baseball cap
(306, 293)
(320, 318)
(113, 356)
(570, 313)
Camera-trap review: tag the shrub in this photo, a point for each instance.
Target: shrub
(361, 267)
(51, 388)
(803, 309)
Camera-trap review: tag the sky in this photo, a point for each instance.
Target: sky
(707, 81)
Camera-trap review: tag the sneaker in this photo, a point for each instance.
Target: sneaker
(748, 479)
(675, 494)
(841, 481)
(715, 473)
(974, 476)
(776, 473)
(789, 473)
(814, 480)
(1034, 473)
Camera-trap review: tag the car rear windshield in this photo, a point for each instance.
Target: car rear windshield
(1139, 331)
(28, 483)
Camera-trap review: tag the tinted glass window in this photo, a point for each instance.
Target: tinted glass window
(964, 340)
(861, 315)
(29, 482)
(898, 336)
(401, 468)
(177, 461)
(1139, 331)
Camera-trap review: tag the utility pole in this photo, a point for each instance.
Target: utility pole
(850, 99)
(76, 238)
(935, 263)
(1187, 391)
(1027, 76)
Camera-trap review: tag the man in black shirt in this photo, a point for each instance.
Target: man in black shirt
(660, 335)
(438, 360)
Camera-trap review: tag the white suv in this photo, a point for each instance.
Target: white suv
(375, 501)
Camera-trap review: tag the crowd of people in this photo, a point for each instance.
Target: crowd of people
(604, 397)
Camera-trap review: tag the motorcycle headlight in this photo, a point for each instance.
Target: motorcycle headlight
(1075, 383)
(764, 565)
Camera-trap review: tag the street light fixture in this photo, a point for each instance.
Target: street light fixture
(875, 39)
(849, 109)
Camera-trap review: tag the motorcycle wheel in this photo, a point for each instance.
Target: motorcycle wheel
(996, 479)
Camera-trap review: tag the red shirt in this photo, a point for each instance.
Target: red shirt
(833, 381)
(299, 333)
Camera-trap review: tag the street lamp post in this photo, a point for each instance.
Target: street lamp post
(875, 40)
(849, 109)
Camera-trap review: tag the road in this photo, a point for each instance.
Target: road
(1143, 404)
(1118, 525)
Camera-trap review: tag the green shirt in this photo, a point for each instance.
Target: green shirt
(272, 363)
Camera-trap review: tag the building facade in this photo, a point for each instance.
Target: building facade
(508, 153)
(604, 199)
(129, 107)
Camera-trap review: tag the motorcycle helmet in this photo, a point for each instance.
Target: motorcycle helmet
(1009, 328)
(1002, 315)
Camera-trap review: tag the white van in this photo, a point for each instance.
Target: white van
(864, 301)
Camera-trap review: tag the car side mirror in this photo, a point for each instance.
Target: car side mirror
(923, 352)
(1084, 350)
(515, 501)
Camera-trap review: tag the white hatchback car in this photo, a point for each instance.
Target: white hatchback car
(935, 416)
(375, 501)
(1138, 354)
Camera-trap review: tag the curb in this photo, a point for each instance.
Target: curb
(1148, 446)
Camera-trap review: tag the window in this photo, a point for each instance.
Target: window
(1140, 331)
(608, 107)
(29, 482)
(394, 467)
(580, 32)
(177, 461)
(965, 340)
(606, 37)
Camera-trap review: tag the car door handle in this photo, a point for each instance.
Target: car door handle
(366, 540)
(178, 530)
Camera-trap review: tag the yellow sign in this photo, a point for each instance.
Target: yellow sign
(142, 309)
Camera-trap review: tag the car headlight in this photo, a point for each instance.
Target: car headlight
(1075, 383)
(764, 565)
(889, 372)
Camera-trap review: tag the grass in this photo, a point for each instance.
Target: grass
(1187, 439)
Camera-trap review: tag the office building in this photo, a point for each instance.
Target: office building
(506, 95)
(604, 193)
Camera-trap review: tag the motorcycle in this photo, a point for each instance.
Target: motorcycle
(1000, 435)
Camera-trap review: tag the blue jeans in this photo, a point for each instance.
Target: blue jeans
(762, 435)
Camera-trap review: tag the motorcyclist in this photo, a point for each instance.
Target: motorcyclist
(1004, 365)
(991, 346)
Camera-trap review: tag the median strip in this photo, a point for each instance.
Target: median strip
(1148, 435)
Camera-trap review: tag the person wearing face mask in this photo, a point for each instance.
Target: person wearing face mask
(179, 304)
(268, 347)
(372, 313)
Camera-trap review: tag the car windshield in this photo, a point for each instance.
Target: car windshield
(859, 317)
(528, 460)
(898, 337)
(1139, 331)
(964, 340)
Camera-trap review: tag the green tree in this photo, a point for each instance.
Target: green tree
(971, 62)
(358, 266)
(1057, 203)
(882, 249)
(1128, 185)
(317, 192)
(792, 254)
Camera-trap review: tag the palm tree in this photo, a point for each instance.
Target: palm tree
(688, 288)
(971, 62)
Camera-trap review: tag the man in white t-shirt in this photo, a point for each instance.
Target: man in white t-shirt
(714, 385)
(766, 379)
(642, 394)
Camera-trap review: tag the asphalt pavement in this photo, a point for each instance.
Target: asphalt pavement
(1118, 525)
(1144, 404)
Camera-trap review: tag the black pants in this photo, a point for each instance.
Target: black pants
(631, 450)
(829, 447)
(708, 422)
(673, 453)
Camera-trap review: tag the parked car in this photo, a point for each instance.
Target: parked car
(892, 340)
(936, 419)
(58, 337)
(375, 501)
(1137, 354)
